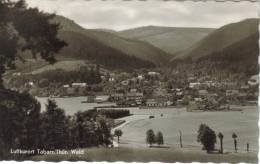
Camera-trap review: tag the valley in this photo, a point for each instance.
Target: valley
(168, 79)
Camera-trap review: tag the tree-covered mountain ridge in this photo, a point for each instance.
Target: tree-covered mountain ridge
(235, 46)
(107, 43)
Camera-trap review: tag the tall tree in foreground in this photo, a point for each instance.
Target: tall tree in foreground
(29, 30)
(118, 133)
(221, 136)
(150, 137)
(159, 138)
(207, 137)
(54, 127)
(19, 121)
(234, 136)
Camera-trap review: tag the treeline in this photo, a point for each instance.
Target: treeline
(24, 126)
(114, 113)
(89, 75)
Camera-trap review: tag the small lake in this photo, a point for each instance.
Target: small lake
(72, 105)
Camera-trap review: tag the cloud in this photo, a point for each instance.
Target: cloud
(119, 14)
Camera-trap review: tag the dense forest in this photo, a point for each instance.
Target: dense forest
(239, 57)
(85, 48)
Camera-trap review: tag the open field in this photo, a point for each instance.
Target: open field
(243, 123)
(150, 154)
(132, 146)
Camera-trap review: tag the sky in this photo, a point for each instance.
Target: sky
(121, 15)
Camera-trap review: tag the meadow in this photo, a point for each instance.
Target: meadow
(243, 123)
(170, 121)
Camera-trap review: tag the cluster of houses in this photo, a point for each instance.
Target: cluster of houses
(198, 95)
(218, 96)
(152, 90)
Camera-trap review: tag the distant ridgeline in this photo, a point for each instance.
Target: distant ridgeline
(233, 48)
(107, 48)
(153, 46)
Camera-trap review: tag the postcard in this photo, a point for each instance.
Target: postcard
(129, 80)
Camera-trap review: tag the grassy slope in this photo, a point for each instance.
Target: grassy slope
(222, 38)
(169, 39)
(149, 155)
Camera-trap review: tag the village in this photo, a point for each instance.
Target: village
(198, 88)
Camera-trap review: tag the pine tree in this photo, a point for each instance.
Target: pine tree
(159, 138)
(150, 137)
(207, 137)
(54, 126)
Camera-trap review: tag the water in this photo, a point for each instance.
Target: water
(71, 105)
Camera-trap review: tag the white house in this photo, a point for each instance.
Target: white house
(153, 73)
(79, 84)
(31, 83)
(140, 77)
(66, 86)
(111, 79)
(254, 80)
(194, 85)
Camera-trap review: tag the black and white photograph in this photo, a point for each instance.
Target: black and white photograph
(129, 80)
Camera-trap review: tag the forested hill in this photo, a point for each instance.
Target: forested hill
(81, 47)
(221, 38)
(108, 45)
(233, 47)
(170, 39)
(241, 57)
